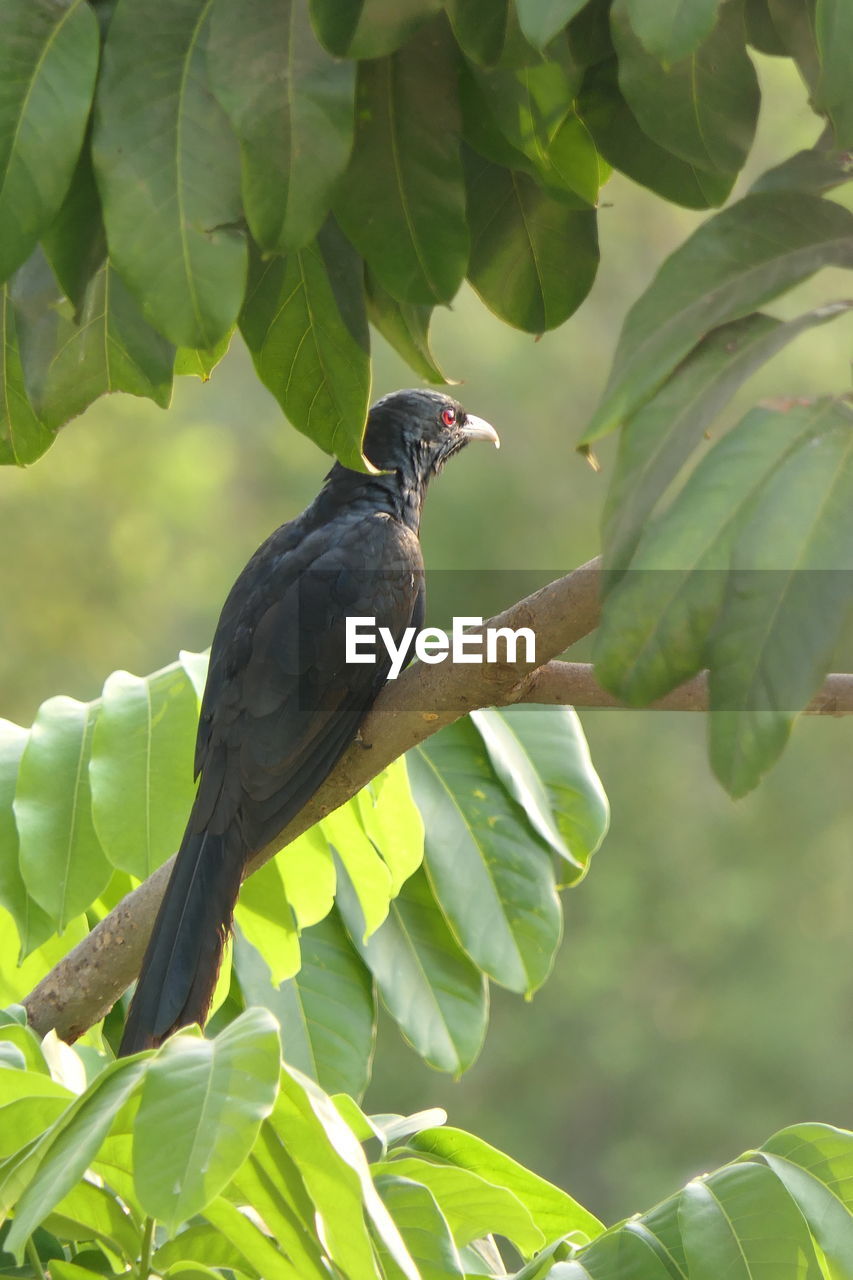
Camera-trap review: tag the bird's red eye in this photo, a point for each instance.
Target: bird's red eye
(448, 416)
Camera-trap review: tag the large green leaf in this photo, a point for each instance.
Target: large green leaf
(23, 436)
(75, 244)
(704, 106)
(405, 325)
(65, 1151)
(392, 821)
(266, 920)
(552, 1211)
(368, 874)
(437, 997)
(201, 1108)
(327, 1011)
(305, 324)
(291, 105)
(738, 260)
(33, 924)
(832, 93)
(89, 1212)
(489, 868)
(422, 1226)
(259, 1254)
(788, 595)
(659, 438)
(653, 634)
(741, 1221)
(817, 170)
(168, 170)
(672, 29)
(269, 1181)
(815, 1164)
(73, 354)
(141, 767)
(402, 200)
(368, 28)
(533, 257)
(621, 140)
(62, 862)
(48, 62)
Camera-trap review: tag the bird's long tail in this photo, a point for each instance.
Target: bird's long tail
(182, 961)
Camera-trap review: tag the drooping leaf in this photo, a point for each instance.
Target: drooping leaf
(307, 868)
(658, 617)
(62, 862)
(480, 27)
(258, 1253)
(621, 140)
(673, 29)
(405, 326)
(392, 822)
(266, 920)
(200, 364)
(815, 1164)
(834, 36)
(367, 872)
(202, 1243)
(435, 994)
(795, 23)
(702, 107)
(422, 1226)
(368, 28)
(660, 437)
(201, 1108)
(533, 257)
(305, 324)
(741, 258)
(48, 62)
(74, 243)
(490, 870)
(407, 218)
(33, 924)
(788, 595)
(270, 1182)
(168, 171)
(541, 20)
(23, 436)
(90, 1212)
(740, 1220)
(291, 105)
(326, 1012)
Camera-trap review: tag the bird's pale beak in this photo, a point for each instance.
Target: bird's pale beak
(478, 429)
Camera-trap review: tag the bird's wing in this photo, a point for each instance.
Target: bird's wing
(282, 704)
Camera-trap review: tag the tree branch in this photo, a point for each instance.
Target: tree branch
(85, 984)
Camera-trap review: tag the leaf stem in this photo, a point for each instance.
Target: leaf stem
(35, 1261)
(146, 1250)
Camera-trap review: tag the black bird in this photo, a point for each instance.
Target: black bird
(281, 703)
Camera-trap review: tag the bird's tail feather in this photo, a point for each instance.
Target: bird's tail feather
(182, 960)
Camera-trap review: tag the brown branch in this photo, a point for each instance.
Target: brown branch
(86, 983)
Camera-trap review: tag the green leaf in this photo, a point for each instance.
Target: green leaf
(795, 23)
(203, 1243)
(473, 1206)
(659, 438)
(816, 170)
(657, 618)
(815, 1164)
(407, 218)
(168, 171)
(201, 1108)
(787, 598)
(264, 917)
(60, 1270)
(553, 1212)
(48, 62)
(480, 27)
(30, 1101)
(141, 767)
(23, 436)
(834, 36)
(305, 324)
(620, 139)
(405, 326)
(435, 994)
(75, 244)
(62, 862)
(738, 260)
(541, 755)
(392, 822)
(422, 1226)
(307, 869)
(261, 1255)
(533, 257)
(740, 1221)
(200, 364)
(704, 106)
(368, 28)
(489, 869)
(673, 29)
(541, 20)
(368, 874)
(66, 1150)
(327, 1012)
(33, 924)
(291, 105)
(18, 977)
(71, 356)
(90, 1212)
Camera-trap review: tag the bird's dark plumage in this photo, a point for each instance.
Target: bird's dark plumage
(281, 704)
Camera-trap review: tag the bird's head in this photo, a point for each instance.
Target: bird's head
(417, 431)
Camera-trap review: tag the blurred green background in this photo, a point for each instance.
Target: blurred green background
(704, 992)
